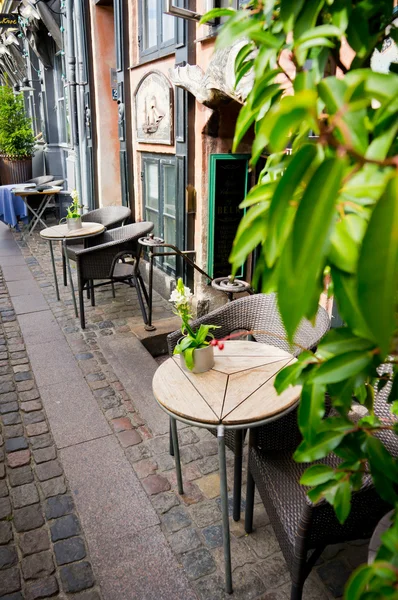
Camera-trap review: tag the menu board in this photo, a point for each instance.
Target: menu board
(227, 188)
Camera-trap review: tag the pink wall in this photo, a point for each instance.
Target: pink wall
(107, 143)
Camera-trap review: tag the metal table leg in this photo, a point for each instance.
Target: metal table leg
(54, 269)
(64, 247)
(238, 473)
(174, 434)
(224, 508)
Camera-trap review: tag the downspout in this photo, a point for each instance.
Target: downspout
(79, 29)
(71, 60)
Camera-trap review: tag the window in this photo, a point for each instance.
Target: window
(61, 100)
(160, 201)
(157, 31)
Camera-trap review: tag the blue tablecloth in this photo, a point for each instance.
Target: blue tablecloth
(12, 207)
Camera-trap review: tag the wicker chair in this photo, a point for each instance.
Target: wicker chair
(302, 528)
(109, 216)
(101, 261)
(259, 313)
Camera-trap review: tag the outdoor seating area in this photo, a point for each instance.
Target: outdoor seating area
(190, 505)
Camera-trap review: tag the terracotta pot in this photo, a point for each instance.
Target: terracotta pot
(203, 360)
(74, 224)
(15, 170)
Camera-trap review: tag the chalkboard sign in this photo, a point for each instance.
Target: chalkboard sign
(228, 184)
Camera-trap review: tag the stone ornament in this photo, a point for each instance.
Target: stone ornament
(154, 109)
(217, 84)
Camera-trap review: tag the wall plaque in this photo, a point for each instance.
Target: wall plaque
(228, 185)
(154, 109)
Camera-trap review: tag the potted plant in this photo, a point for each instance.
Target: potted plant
(195, 348)
(73, 216)
(17, 140)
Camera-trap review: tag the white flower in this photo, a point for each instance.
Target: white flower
(181, 295)
(74, 195)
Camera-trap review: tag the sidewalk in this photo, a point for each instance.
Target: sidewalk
(143, 540)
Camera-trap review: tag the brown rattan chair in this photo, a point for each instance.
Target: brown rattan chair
(109, 216)
(302, 528)
(259, 313)
(102, 261)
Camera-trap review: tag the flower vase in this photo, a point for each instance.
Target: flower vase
(203, 360)
(74, 224)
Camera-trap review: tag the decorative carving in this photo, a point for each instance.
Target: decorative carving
(154, 109)
(217, 84)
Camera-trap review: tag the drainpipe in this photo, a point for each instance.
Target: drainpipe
(80, 89)
(71, 60)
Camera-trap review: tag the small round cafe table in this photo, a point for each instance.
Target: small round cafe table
(237, 393)
(62, 234)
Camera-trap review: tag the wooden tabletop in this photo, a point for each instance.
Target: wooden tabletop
(32, 191)
(238, 389)
(60, 232)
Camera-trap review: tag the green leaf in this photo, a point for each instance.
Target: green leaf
(317, 474)
(303, 256)
(285, 118)
(378, 268)
(262, 192)
(380, 459)
(346, 294)
(244, 69)
(188, 357)
(340, 10)
(332, 92)
(242, 55)
(216, 13)
(264, 38)
(345, 240)
(311, 410)
(341, 341)
(320, 447)
(320, 31)
(247, 241)
(289, 10)
(307, 17)
(342, 501)
(341, 367)
(289, 376)
(358, 582)
(281, 212)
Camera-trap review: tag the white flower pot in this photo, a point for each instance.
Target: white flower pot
(203, 360)
(74, 224)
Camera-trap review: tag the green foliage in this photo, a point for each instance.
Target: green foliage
(329, 206)
(16, 134)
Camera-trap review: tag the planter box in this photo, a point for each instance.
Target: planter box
(18, 170)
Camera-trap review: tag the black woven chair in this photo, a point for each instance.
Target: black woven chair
(302, 528)
(109, 216)
(259, 313)
(102, 261)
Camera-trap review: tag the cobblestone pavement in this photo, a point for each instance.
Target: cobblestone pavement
(192, 522)
(42, 549)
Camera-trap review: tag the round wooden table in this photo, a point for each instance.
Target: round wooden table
(63, 234)
(237, 393)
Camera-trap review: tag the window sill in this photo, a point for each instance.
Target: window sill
(144, 60)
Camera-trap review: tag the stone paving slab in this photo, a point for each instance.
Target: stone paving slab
(23, 288)
(52, 362)
(13, 260)
(136, 367)
(73, 412)
(40, 328)
(145, 569)
(16, 273)
(104, 484)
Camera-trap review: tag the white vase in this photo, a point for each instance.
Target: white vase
(203, 360)
(74, 224)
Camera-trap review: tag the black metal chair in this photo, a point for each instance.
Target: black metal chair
(109, 216)
(304, 529)
(102, 262)
(259, 313)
